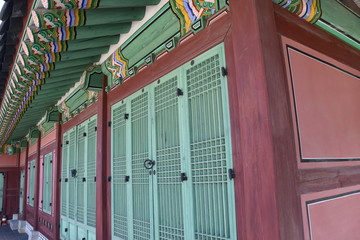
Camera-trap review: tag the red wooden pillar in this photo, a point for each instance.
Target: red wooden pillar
(254, 63)
(37, 182)
(101, 167)
(5, 190)
(57, 175)
(26, 180)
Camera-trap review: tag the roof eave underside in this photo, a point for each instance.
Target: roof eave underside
(62, 39)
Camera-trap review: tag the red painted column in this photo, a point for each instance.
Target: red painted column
(5, 189)
(252, 63)
(57, 175)
(37, 183)
(102, 209)
(26, 180)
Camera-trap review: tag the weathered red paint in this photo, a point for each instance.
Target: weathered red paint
(56, 183)
(37, 182)
(10, 191)
(49, 138)
(7, 160)
(26, 180)
(102, 207)
(268, 182)
(303, 35)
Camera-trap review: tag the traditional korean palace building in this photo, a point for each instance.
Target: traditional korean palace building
(181, 119)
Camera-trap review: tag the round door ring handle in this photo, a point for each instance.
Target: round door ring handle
(149, 164)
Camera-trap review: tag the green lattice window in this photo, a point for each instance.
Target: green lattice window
(181, 123)
(31, 183)
(21, 194)
(47, 183)
(78, 182)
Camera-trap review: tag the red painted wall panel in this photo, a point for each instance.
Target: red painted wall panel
(8, 160)
(337, 218)
(11, 191)
(22, 158)
(327, 112)
(332, 214)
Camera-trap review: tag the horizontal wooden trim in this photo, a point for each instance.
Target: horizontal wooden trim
(321, 179)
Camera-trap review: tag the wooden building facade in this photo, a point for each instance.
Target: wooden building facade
(206, 120)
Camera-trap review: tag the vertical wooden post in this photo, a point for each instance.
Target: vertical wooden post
(254, 62)
(5, 189)
(101, 163)
(37, 182)
(57, 175)
(26, 180)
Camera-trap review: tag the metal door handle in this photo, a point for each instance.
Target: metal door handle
(149, 164)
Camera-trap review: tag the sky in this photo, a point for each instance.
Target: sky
(1, 5)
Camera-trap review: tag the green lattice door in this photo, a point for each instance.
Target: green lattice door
(47, 183)
(78, 181)
(21, 196)
(31, 185)
(171, 155)
(64, 186)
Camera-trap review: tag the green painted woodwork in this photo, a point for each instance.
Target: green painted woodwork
(40, 82)
(71, 33)
(34, 133)
(189, 13)
(76, 99)
(182, 123)
(93, 78)
(69, 4)
(47, 126)
(66, 56)
(163, 27)
(79, 4)
(21, 195)
(47, 183)
(71, 18)
(349, 40)
(62, 79)
(158, 34)
(1, 190)
(52, 115)
(309, 10)
(53, 74)
(37, 107)
(339, 16)
(77, 62)
(70, 45)
(78, 192)
(344, 24)
(31, 182)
